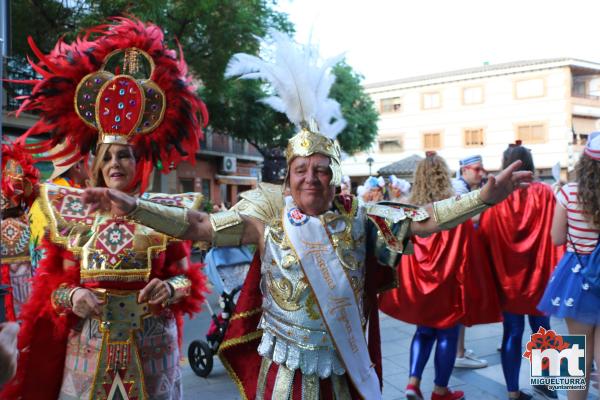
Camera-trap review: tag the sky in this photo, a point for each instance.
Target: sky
(393, 39)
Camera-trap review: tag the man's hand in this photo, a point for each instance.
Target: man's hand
(155, 292)
(8, 350)
(499, 187)
(105, 199)
(86, 304)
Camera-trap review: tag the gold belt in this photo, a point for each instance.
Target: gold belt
(119, 364)
(121, 313)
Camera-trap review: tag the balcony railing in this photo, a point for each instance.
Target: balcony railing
(216, 142)
(585, 96)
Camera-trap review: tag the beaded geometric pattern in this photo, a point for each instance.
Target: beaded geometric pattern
(115, 240)
(70, 206)
(15, 236)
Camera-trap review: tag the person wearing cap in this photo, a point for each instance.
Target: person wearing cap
(399, 189)
(438, 290)
(375, 188)
(516, 235)
(105, 316)
(469, 177)
(300, 321)
(573, 293)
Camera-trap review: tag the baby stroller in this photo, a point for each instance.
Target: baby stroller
(226, 268)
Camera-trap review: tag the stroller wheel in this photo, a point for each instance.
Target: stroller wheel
(201, 358)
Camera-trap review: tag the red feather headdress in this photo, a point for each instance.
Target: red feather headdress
(122, 86)
(19, 177)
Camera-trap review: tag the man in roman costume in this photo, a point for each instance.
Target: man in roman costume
(306, 323)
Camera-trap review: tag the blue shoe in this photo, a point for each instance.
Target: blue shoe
(522, 396)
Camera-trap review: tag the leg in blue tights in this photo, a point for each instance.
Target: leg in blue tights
(445, 354)
(514, 325)
(536, 321)
(420, 349)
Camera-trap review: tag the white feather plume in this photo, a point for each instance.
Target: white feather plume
(301, 86)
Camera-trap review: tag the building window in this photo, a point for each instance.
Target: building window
(391, 105)
(391, 145)
(431, 100)
(432, 140)
(532, 132)
(206, 188)
(529, 88)
(473, 137)
(187, 185)
(472, 95)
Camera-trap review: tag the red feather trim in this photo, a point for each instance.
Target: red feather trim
(43, 336)
(30, 177)
(175, 139)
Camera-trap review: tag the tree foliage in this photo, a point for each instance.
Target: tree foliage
(357, 108)
(210, 32)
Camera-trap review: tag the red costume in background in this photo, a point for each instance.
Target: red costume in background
(445, 282)
(516, 233)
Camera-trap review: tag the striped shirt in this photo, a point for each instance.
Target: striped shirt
(580, 227)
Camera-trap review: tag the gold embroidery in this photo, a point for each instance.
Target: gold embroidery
(283, 383)
(262, 378)
(310, 387)
(284, 293)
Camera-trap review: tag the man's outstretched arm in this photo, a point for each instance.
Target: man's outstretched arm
(221, 229)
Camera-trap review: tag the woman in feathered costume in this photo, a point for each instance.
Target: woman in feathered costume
(19, 185)
(104, 315)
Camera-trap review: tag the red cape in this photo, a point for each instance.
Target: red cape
(238, 351)
(516, 234)
(42, 340)
(445, 282)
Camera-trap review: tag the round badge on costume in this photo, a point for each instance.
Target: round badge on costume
(296, 217)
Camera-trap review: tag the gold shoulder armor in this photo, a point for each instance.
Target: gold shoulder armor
(65, 213)
(263, 203)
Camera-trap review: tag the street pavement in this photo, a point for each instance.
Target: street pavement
(396, 336)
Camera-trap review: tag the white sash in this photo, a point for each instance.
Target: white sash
(334, 295)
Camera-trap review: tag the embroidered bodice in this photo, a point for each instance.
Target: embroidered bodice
(110, 248)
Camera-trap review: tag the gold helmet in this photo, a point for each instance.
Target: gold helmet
(301, 84)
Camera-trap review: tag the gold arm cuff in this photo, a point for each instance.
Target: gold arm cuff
(169, 220)
(454, 211)
(228, 227)
(181, 286)
(62, 297)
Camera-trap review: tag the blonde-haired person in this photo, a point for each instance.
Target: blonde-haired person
(441, 286)
(570, 294)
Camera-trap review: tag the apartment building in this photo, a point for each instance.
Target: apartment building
(550, 104)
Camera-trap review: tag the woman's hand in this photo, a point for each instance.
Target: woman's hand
(8, 350)
(85, 303)
(502, 185)
(155, 292)
(117, 202)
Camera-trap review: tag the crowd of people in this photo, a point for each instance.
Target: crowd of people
(101, 313)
